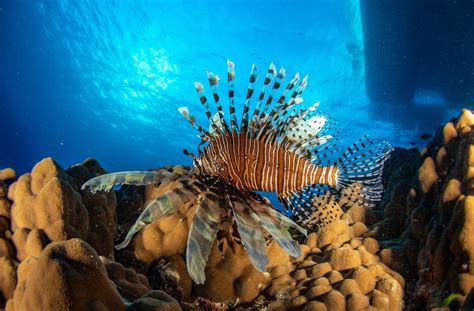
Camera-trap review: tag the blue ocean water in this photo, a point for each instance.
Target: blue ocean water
(104, 78)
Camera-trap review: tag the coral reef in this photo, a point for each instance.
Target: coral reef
(8, 265)
(337, 271)
(415, 250)
(434, 245)
(51, 238)
(47, 207)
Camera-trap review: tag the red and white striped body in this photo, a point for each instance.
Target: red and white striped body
(259, 165)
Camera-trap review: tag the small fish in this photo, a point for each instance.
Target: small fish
(425, 136)
(412, 143)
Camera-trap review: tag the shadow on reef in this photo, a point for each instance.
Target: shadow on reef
(427, 227)
(415, 250)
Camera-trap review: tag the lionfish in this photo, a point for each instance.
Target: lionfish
(277, 149)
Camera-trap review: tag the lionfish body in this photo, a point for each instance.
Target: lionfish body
(275, 149)
(252, 164)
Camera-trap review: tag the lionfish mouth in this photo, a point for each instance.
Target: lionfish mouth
(278, 148)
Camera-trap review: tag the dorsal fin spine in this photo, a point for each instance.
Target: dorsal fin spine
(184, 112)
(213, 82)
(263, 115)
(230, 79)
(245, 113)
(274, 112)
(268, 79)
(200, 90)
(279, 119)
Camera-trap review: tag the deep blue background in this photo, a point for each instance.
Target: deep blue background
(105, 78)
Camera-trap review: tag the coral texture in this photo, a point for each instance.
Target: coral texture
(338, 270)
(434, 248)
(50, 240)
(8, 265)
(47, 207)
(69, 275)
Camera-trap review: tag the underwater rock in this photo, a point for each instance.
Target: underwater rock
(130, 285)
(66, 276)
(439, 218)
(7, 279)
(47, 206)
(70, 275)
(336, 276)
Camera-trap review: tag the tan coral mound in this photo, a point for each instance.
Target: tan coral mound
(47, 206)
(337, 272)
(37, 273)
(8, 264)
(130, 284)
(436, 247)
(66, 276)
(69, 275)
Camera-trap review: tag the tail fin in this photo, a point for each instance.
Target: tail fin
(360, 170)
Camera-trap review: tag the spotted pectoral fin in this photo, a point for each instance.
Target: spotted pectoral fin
(315, 206)
(250, 232)
(201, 237)
(161, 207)
(107, 181)
(325, 209)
